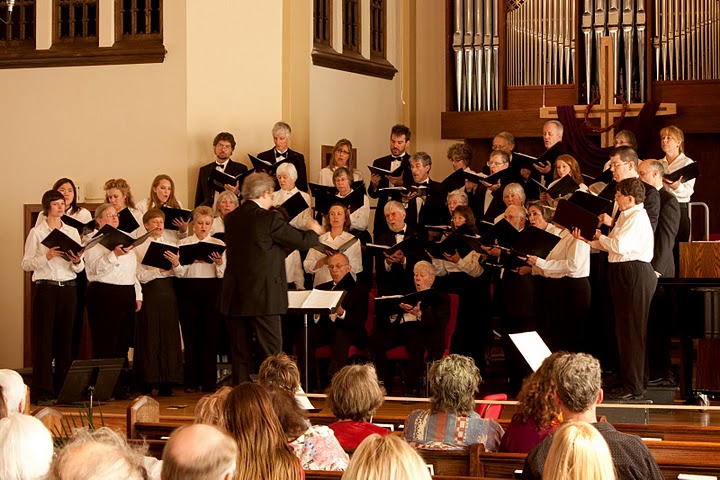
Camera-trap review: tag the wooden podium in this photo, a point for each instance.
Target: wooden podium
(702, 260)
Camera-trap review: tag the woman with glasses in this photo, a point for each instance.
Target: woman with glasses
(341, 156)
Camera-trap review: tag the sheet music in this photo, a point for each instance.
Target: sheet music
(532, 348)
(314, 298)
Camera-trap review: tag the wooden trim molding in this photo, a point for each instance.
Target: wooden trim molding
(354, 63)
(81, 55)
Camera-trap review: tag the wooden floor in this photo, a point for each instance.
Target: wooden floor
(181, 407)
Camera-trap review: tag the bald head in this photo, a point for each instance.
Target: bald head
(651, 172)
(199, 452)
(516, 215)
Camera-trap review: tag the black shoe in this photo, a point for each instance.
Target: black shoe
(47, 402)
(624, 395)
(165, 391)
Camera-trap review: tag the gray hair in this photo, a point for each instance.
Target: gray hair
(15, 390)
(508, 137)
(425, 266)
(578, 380)
(393, 205)
(656, 166)
(222, 196)
(355, 392)
(424, 157)
(100, 211)
(544, 208)
(626, 154)
(256, 184)
(282, 126)
(515, 188)
(453, 382)
(27, 447)
(340, 171)
(289, 169)
(213, 453)
(96, 455)
(557, 124)
(460, 194)
(504, 157)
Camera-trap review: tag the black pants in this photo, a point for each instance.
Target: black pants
(268, 332)
(200, 321)
(565, 308)
(52, 319)
(683, 234)
(111, 315)
(632, 285)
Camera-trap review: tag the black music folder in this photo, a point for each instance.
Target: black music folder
(293, 206)
(82, 228)
(324, 196)
(111, 237)
(328, 250)
(455, 180)
(593, 204)
(534, 241)
(199, 251)
(410, 243)
(56, 238)
(218, 179)
(219, 235)
(562, 187)
(382, 172)
(260, 165)
(608, 193)
(522, 160)
(391, 303)
(502, 234)
(570, 215)
(503, 176)
(172, 213)
(688, 172)
(126, 221)
(353, 200)
(605, 177)
(155, 255)
(450, 244)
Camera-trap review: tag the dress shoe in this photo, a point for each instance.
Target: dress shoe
(624, 395)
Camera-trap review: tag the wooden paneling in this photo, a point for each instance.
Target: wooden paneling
(700, 260)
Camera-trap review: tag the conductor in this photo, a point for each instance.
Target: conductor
(254, 291)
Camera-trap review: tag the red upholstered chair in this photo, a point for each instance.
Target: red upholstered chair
(492, 411)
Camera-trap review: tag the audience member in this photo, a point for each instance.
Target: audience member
(263, 452)
(100, 455)
(577, 378)
(282, 371)
(538, 414)
(210, 409)
(315, 445)
(15, 390)
(199, 452)
(3, 406)
(578, 452)
(353, 397)
(452, 422)
(27, 448)
(386, 457)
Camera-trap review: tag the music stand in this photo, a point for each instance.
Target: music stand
(87, 379)
(311, 302)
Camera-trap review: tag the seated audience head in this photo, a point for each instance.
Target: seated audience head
(536, 400)
(256, 185)
(514, 194)
(199, 452)
(355, 393)
(394, 215)
(262, 444)
(504, 141)
(499, 160)
(424, 275)
(386, 457)
(210, 409)
(280, 370)
(287, 176)
(98, 455)
(578, 380)
(292, 418)
(225, 202)
(459, 155)
(27, 448)
(15, 390)
(516, 215)
(453, 382)
(625, 138)
(539, 213)
(578, 452)
(341, 154)
(455, 198)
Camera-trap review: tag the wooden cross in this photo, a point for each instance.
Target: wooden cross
(607, 110)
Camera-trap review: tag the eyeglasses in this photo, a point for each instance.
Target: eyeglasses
(344, 152)
(496, 164)
(618, 164)
(110, 215)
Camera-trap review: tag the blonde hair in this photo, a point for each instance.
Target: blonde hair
(355, 393)
(122, 185)
(380, 458)
(279, 370)
(578, 452)
(676, 134)
(210, 409)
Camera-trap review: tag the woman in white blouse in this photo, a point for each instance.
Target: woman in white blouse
(564, 165)
(54, 300)
(198, 286)
(162, 194)
(341, 154)
(673, 144)
(69, 192)
(316, 262)
(118, 194)
(157, 361)
(564, 291)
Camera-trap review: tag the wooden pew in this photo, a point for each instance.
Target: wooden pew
(451, 462)
(686, 433)
(318, 475)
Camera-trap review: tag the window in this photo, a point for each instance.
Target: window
(77, 36)
(322, 23)
(378, 24)
(76, 21)
(19, 32)
(346, 51)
